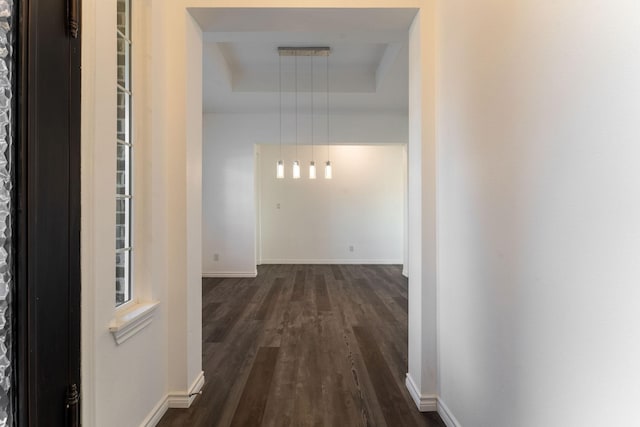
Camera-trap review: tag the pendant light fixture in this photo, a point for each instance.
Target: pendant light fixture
(311, 52)
(280, 169)
(327, 170)
(296, 163)
(296, 169)
(280, 164)
(312, 165)
(328, 173)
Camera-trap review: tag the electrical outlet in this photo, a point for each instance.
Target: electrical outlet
(278, 206)
(350, 248)
(216, 257)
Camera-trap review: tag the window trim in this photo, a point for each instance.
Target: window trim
(127, 143)
(132, 320)
(134, 315)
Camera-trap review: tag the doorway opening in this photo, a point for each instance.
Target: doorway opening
(421, 148)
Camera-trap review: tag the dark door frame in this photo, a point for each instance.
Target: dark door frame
(47, 247)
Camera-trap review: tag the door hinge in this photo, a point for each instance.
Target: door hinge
(73, 8)
(73, 406)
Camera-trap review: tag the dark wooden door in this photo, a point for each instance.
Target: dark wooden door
(48, 246)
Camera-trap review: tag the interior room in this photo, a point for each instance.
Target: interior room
(489, 278)
(254, 99)
(325, 91)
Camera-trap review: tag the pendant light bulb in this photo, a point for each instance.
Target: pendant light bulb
(296, 170)
(312, 170)
(280, 170)
(327, 170)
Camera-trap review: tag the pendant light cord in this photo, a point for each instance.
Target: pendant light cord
(327, 87)
(312, 115)
(280, 90)
(296, 87)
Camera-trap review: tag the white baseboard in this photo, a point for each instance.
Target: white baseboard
(446, 415)
(331, 261)
(405, 273)
(230, 274)
(174, 400)
(425, 403)
(184, 399)
(156, 413)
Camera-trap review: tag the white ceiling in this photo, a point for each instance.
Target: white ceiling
(367, 66)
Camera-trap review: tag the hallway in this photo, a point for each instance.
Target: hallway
(305, 345)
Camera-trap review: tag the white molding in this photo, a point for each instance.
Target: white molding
(184, 399)
(430, 403)
(425, 403)
(446, 415)
(174, 400)
(132, 321)
(230, 274)
(156, 413)
(405, 273)
(332, 261)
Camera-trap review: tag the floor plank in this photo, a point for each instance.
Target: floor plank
(389, 395)
(298, 286)
(269, 302)
(322, 295)
(250, 410)
(305, 345)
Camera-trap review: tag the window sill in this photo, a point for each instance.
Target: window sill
(132, 320)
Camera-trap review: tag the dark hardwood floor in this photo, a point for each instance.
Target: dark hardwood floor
(305, 345)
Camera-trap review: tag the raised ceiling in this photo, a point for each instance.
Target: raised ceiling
(367, 66)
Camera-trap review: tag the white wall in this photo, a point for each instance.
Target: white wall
(229, 204)
(539, 212)
(422, 227)
(181, 126)
(132, 384)
(120, 384)
(316, 221)
(193, 184)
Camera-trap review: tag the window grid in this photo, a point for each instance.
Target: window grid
(124, 198)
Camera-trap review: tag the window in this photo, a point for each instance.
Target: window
(124, 197)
